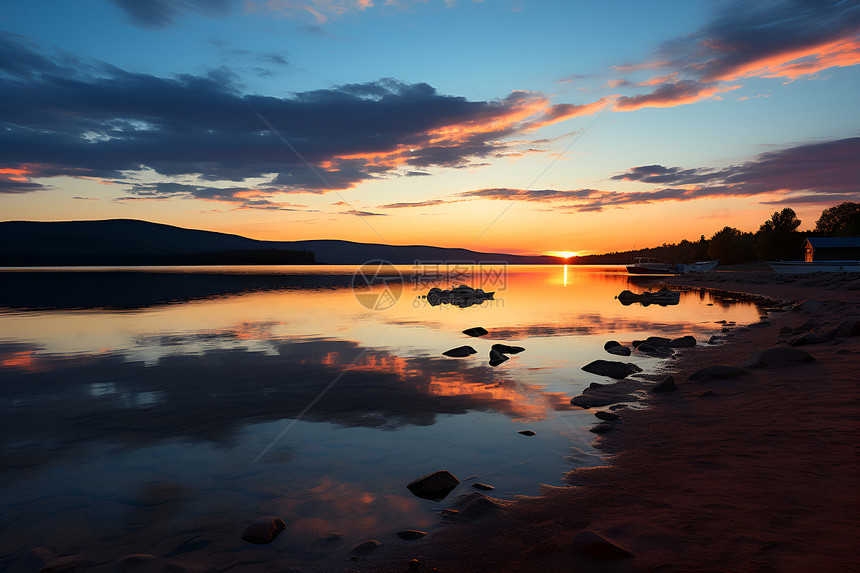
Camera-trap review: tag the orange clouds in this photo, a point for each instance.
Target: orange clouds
(797, 62)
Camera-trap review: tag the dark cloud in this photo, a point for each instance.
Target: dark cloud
(238, 197)
(771, 39)
(18, 184)
(815, 173)
(160, 13)
(96, 120)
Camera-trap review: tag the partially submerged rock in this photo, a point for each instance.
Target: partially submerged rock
(682, 342)
(611, 368)
(476, 331)
(460, 352)
(264, 529)
(590, 544)
(497, 357)
(435, 486)
(607, 416)
(505, 349)
(718, 371)
(613, 347)
(655, 351)
(483, 486)
(526, 432)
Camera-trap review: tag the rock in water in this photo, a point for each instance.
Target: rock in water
(435, 486)
(611, 368)
(483, 486)
(411, 534)
(589, 544)
(683, 342)
(497, 357)
(365, 547)
(658, 341)
(460, 352)
(264, 530)
(719, 371)
(667, 385)
(608, 416)
(505, 349)
(476, 331)
(526, 432)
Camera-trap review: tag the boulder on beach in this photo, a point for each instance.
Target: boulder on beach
(476, 331)
(682, 342)
(601, 428)
(719, 371)
(476, 505)
(667, 385)
(611, 368)
(496, 357)
(780, 356)
(411, 534)
(133, 560)
(607, 416)
(505, 349)
(365, 547)
(435, 486)
(590, 544)
(460, 352)
(813, 338)
(849, 328)
(65, 563)
(610, 343)
(264, 529)
(658, 341)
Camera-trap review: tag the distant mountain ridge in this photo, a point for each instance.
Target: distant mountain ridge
(112, 241)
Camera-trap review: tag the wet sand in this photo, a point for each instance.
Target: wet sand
(760, 475)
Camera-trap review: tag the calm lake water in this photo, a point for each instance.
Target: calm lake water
(161, 410)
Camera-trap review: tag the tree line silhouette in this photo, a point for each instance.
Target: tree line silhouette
(777, 239)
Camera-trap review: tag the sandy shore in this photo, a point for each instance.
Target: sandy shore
(759, 474)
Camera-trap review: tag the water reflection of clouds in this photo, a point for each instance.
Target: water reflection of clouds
(63, 402)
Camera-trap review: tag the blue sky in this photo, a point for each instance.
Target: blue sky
(425, 122)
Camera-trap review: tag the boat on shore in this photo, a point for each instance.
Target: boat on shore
(650, 266)
(699, 267)
(808, 267)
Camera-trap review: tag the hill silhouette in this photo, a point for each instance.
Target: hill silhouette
(135, 242)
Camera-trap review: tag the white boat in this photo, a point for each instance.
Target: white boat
(804, 267)
(651, 266)
(699, 267)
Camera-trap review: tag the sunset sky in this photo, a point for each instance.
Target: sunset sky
(506, 125)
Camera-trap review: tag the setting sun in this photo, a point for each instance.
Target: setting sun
(562, 254)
